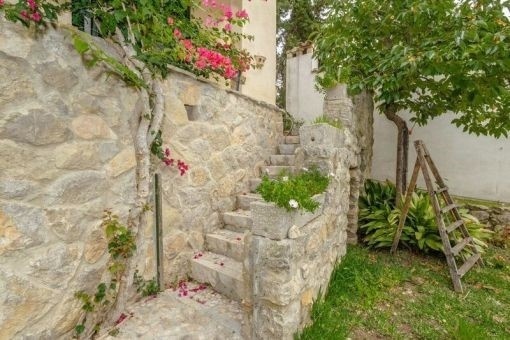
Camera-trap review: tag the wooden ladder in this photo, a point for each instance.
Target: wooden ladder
(424, 162)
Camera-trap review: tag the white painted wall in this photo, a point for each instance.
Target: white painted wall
(261, 83)
(303, 100)
(472, 166)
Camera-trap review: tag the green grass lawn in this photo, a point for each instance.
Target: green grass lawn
(373, 295)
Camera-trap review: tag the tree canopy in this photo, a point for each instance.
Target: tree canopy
(426, 56)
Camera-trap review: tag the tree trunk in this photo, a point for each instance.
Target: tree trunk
(402, 151)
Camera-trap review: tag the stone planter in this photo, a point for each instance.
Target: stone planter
(275, 223)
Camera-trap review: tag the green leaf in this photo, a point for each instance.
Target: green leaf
(79, 329)
(80, 45)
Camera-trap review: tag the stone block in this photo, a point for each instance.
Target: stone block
(287, 149)
(274, 222)
(122, 162)
(91, 127)
(274, 322)
(241, 219)
(222, 273)
(38, 127)
(282, 160)
(77, 188)
(321, 140)
(77, 156)
(273, 171)
(244, 200)
(226, 242)
(291, 139)
(17, 188)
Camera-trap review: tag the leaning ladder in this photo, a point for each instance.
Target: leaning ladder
(450, 208)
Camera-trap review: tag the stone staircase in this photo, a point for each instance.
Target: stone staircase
(221, 264)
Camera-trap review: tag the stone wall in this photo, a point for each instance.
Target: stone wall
(226, 138)
(66, 154)
(293, 254)
(356, 115)
(495, 218)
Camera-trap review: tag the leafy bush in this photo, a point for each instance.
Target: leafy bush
(379, 218)
(294, 192)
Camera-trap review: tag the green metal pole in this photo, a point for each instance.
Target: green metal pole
(159, 232)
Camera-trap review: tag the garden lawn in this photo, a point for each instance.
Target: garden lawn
(373, 295)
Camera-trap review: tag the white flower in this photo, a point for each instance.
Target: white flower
(293, 204)
(331, 174)
(304, 169)
(285, 178)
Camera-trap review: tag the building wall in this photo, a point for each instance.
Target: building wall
(303, 100)
(473, 166)
(261, 83)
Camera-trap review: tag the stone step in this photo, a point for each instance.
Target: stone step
(225, 275)
(254, 183)
(287, 149)
(226, 242)
(274, 171)
(291, 139)
(282, 159)
(243, 201)
(238, 220)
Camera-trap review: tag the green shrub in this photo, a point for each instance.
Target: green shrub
(294, 191)
(379, 218)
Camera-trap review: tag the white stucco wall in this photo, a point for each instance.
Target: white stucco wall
(472, 166)
(303, 100)
(261, 83)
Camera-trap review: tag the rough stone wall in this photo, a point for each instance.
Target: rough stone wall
(226, 138)
(294, 254)
(66, 154)
(495, 218)
(356, 114)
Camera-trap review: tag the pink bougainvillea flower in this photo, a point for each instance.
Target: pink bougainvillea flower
(187, 44)
(32, 5)
(209, 3)
(170, 21)
(228, 27)
(210, 22)
(242, 14)
(36, 16)
(121, 318)
(2, 2)
(177, 33)
(227, 12)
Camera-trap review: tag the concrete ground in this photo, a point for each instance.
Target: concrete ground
(190, 312)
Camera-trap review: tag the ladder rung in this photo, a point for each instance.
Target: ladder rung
(468, 264)
(459, 246)
(440, 190)
(448, 208)
(454, 226)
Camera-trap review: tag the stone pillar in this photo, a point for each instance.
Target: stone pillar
(356, 114)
